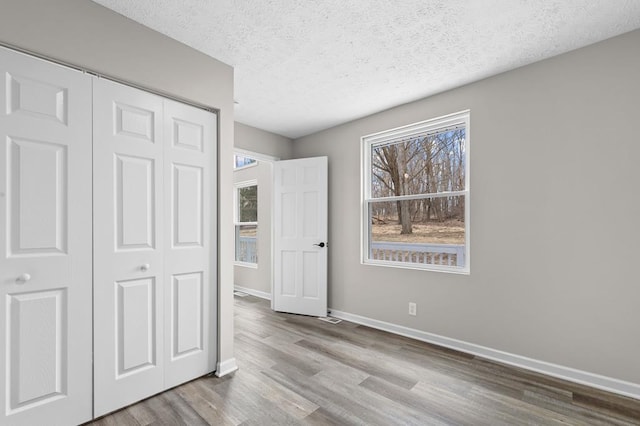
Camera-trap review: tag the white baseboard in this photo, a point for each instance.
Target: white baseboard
(252, 292)
(225, 367)
(609, 384)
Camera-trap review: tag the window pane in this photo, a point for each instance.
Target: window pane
(241, 161)
(428, 163)
(248, 204)
(247, 243)
(427, 231)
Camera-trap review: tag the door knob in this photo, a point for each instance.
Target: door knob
(23, 278)
(320, 245)
(145, 267)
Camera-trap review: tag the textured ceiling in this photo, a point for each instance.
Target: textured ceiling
(303, 66)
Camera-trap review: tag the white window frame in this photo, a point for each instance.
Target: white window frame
(236, 219)
(368, 142)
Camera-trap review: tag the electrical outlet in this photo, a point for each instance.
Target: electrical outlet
(412, 308)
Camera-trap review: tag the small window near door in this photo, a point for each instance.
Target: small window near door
(241, 161)
(246, 223)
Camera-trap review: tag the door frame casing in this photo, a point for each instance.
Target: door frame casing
(271, 160)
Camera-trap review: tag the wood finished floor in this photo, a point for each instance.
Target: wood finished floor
(300, 370)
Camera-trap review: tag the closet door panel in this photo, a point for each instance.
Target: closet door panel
(128, 245)
(45, 242)
(189, 300)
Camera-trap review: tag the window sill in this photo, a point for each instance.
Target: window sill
(418, 267)
(246, 264)
(248, 166)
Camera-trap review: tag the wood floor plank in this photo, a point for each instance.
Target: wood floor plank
(614, 406)
(117, 419)
(142, 414)
(205, 388)
(409, 399)
(572, 410)
(255, 404)
(173, 410)
(322, 417)
(328, 365)
(288, 401)
(524, 412)
(258, 347)
(297, 370)
(386, 411)
(354, 361)
(340, 406)
(345, 374)
(206, 407)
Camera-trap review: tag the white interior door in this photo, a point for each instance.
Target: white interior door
(189, 156)
(45, 243)
(300, 236)
(128, 245)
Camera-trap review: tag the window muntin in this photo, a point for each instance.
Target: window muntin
(246, 223)
(416, 189)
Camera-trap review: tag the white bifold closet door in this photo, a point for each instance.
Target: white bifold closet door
(189, 319)
(45, 243)
(153, 316)
(128, 245)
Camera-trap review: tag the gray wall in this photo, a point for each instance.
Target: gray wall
(263, 142)
(83, 33)
(555, 211)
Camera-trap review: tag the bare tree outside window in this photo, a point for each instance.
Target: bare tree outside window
(248, 203)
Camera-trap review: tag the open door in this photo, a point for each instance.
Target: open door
(300, 236)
